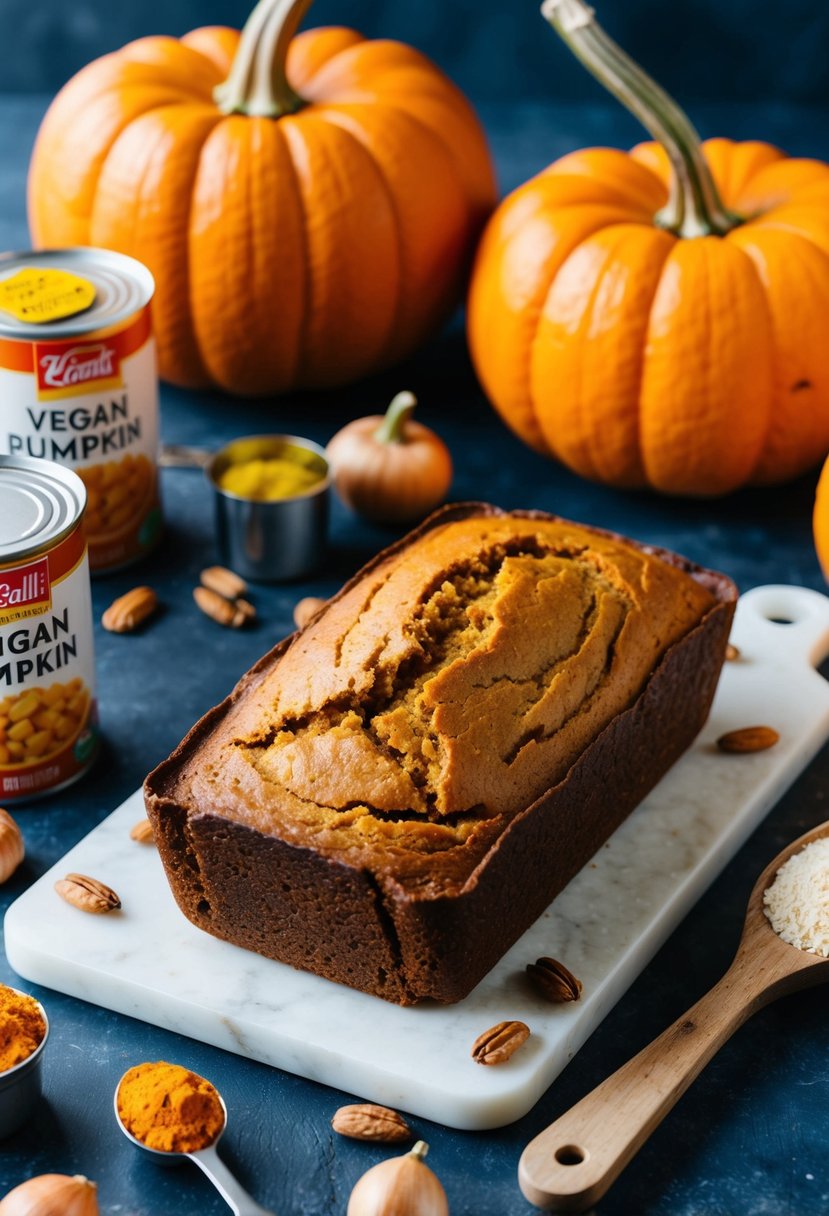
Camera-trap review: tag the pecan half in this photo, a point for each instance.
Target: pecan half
(553, 981)
(223, 582)
(305, 609)
(498, 1043)
(142, 832)
(748, 739)
(217, 607)
(87, 893)
(12, 850)
(365, 1121)
(245, 612)
(130, 610)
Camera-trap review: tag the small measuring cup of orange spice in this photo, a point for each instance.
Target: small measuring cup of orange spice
(24, 1029)
(171, 1113)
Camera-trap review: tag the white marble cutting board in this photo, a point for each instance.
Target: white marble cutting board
(149, 962)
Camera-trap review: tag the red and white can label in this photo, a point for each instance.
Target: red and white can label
(25, 591)
(48, 712)
(92, 403)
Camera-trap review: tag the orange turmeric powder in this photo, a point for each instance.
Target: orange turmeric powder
(169, 1108)
(22, 1027)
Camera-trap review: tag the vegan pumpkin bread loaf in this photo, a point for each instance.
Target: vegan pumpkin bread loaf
(393, 795)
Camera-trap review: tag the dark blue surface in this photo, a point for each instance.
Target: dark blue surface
(750, 1138)
(727, 50)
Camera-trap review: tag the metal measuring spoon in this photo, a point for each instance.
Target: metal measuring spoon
(208, 1161)
(569, 1166)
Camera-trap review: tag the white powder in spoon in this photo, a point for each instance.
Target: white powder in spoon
(797, 902)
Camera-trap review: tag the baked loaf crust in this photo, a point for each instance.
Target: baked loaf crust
(393, 795)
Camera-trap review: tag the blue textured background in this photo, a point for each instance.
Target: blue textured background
(750, 1138)
(739, 50)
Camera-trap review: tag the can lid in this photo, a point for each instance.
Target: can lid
(122, 286)
(40, 503)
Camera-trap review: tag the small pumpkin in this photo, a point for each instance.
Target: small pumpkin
(390, 468)
(399, 1186)
(51, 1195)
(657, 318)
(820, 520)
(308, 205)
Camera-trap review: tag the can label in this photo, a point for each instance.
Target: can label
(25, 591)
(48, 712)
(92, 403)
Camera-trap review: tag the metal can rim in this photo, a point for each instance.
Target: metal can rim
(132, 272)
(61, 474)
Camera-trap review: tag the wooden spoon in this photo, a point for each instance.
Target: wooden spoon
(570, 1165)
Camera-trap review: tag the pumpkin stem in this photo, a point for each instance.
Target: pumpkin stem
(419, 1151)
(397, 415)
(694, 206)
(257, 84)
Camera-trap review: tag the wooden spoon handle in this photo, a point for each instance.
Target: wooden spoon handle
(570, 1165)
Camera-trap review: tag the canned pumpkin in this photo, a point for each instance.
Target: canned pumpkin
(78, 385)
(48, 713)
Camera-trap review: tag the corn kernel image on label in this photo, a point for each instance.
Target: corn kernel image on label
(82, 390)
(48, 714)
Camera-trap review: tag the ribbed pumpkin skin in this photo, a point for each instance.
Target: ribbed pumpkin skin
(820, 520)
(693, 366)
(301, 251)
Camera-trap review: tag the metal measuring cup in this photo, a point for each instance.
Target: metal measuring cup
(208, 1161)
(267, 541)
(20, 1086)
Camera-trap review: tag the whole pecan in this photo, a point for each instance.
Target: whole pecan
(87, 893)
(498, 1043)
(305, 609)
(224, 582)
(365, 1121)
(130, 610)
(142, 832)
(553, 981)
(245, 611)
(748, 739)
(217, 607)
(12, 850)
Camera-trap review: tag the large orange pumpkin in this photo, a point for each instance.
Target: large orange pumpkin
(307, 204)
(659, 318)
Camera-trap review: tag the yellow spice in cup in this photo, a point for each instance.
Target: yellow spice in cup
(266, 479)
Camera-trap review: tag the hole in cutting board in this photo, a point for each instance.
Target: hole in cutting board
(780, 605)
(569, 1154)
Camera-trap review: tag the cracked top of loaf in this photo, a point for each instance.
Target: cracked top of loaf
(442, 691)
